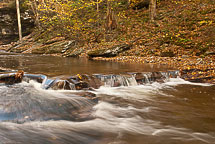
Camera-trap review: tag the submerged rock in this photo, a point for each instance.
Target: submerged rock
(23, 103)
(89, 95)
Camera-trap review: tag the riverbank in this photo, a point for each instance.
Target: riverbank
(192, 68)
(182, 36)
(195, 69)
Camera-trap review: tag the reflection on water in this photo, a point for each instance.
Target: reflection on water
(173, 112)
(56, 66)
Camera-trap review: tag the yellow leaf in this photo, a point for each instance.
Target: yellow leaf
(79, 76)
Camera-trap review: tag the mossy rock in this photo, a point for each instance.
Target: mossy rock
(55, 48)
(40, 50)
(111, 52)
(74, 52)
(96, 52)
(20, 48)
(17, 50)
(51, 48)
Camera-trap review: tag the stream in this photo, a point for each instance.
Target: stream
(171, 112)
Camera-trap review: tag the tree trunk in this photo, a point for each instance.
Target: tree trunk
(111, 22)
(36, 14)
(152, 10)
(19, 20)
(97, 6)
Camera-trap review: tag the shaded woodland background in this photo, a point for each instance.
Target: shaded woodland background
(177, 27)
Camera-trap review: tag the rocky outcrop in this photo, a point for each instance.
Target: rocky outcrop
(52, 48)
(67, 48)
(8, 29)
(57, 45)
(110, 52)
(8, 24)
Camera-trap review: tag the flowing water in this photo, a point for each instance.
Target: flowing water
(172, 112)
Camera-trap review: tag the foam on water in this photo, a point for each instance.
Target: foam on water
(29, 102)
(179, 81)
(109, 118)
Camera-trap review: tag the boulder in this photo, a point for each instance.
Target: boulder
(12, 78)
(92, 81)
(52, 48)
(61, 84)
(111, 52)
(89, 95)
(75, 52)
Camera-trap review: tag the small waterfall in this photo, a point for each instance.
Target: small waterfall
(79, 82)
(132, 79)
(117, 80)
(149, 77)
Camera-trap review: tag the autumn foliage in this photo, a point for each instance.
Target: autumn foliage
(180, 27)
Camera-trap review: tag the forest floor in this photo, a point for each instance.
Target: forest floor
(182, 36)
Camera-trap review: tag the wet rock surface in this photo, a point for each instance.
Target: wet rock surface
(11, 78)
(48, 103)
(94, 81)
(90, 82)
(24, 101)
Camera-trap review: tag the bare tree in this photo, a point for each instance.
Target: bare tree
(152, 10)
(111, 22)
(19, 20)
(34, 6)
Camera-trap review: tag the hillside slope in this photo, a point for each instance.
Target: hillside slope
(183, 35)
